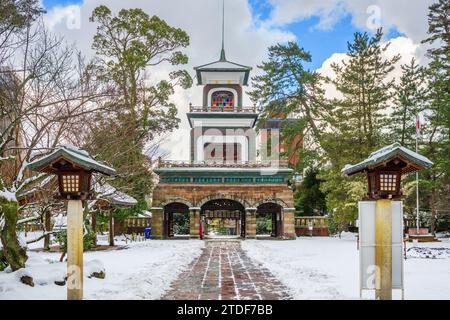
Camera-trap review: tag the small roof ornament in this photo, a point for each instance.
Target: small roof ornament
(407, 160)
(77, 157)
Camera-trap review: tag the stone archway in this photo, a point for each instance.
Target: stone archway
(271, 211)
(277, 201)
(225, 214)
(170, 212)
(224, 196)
(176, 200)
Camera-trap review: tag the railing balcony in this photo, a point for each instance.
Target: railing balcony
(282, 163)
(243, 109)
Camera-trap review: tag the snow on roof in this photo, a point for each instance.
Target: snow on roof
(72, 153)
(226, 65)
(221, 66)
(145, 214)
(385, 153)
(108, 192)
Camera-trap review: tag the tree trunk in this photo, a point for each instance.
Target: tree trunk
(13, 253)
(47, 228)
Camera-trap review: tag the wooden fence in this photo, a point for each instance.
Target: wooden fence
(132, 225)
(311, 226)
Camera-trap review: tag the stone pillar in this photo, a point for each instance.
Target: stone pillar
(157, 223)
(288, 223)
(250, 223)
(194, 222)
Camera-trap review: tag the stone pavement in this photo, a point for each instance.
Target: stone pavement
(224, 272)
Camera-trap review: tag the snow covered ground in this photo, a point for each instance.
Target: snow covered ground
(327, 268)
(142, 271)
(313, 268)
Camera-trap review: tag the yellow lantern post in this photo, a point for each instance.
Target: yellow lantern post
(74, 168)
(380, 227)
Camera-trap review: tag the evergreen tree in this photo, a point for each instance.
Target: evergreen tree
(358, 121)
(287, 90)
(409, 100)
(128, 45)
(309, 199)
(437, 134)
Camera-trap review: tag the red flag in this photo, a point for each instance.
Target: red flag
(418, 127)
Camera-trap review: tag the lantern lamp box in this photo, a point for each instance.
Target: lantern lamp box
(74, 168)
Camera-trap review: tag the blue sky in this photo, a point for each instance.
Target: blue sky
(51, 3)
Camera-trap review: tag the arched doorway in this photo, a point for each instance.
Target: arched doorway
(268, 219)
(176, 219)
(223, 217)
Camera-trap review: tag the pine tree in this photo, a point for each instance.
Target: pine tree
(286, 89)
(358, 121)
(437, 138)
(309, 199)
(409, 100)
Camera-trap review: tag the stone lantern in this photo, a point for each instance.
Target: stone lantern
(384, 169)
(381, 217)
(74, 168)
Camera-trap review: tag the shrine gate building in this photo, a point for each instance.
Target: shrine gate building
(224, 186)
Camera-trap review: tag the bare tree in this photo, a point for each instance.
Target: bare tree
(45, 92)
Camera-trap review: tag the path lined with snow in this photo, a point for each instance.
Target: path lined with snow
(224, 272)
(327, 268)
(143, 271)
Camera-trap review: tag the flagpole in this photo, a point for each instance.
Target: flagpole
(417, 174)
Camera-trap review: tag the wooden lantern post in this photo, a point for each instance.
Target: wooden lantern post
(384, 169)
(74, 168)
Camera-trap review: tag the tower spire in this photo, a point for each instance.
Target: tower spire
(222, 52)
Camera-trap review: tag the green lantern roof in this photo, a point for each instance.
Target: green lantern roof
(73, 154)
(414, 160)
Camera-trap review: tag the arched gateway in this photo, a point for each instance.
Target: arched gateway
(223, 186)
(223, 217)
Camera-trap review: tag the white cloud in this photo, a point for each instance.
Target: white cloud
(407, 16)
(246, 42)
(401, 45)
(69, 16)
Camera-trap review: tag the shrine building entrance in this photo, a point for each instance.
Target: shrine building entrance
(268, 220)
(223, 218)
(176, 220)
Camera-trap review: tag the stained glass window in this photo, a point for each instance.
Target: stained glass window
(222, 100)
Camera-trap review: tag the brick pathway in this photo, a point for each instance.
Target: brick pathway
(224, 272)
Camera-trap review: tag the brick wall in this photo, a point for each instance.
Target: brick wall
(249, 195)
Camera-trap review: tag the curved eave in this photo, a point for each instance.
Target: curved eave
(232, 67)
(414, 163)
(79, 160)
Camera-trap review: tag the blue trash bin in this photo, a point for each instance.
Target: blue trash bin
(147, 232)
